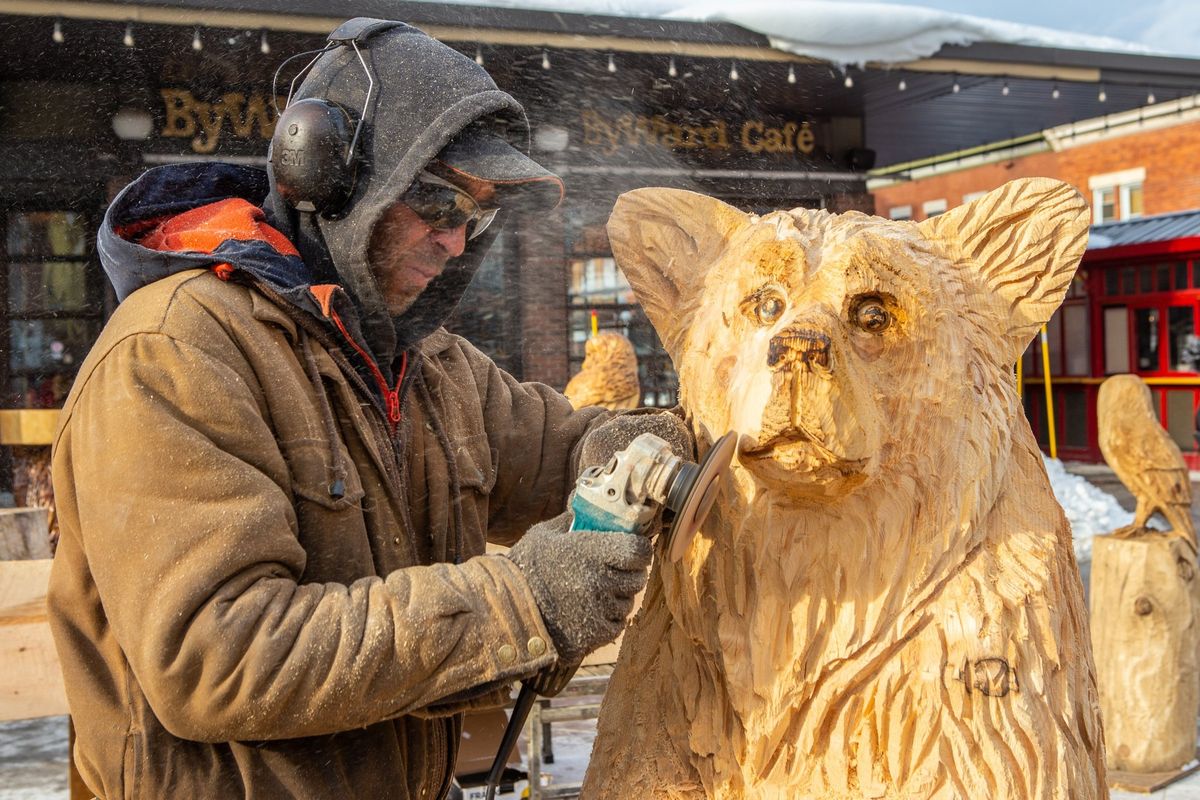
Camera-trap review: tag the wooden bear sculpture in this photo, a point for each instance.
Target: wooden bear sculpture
(884, 602)
(609, 375)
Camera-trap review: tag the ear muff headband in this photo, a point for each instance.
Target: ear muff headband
(314, 149)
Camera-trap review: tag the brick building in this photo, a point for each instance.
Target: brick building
(1135, 304)
(1136, 163)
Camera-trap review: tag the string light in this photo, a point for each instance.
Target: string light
(612, 65)
(545, 60)
(196, 43)
(479, 55)
(671, 71)
(127, 39)
(1055, 93)
(57, 36)
(1004, 89)
(903, 86)
(1150, 98)
(733, 73)
(1103, 96)
(849, 82)
(264, 46)
(956, 88)
(791, 74)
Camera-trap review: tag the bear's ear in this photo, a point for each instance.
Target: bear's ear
(665, 241)
(1024, 240)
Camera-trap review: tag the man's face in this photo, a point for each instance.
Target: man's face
(405, 253)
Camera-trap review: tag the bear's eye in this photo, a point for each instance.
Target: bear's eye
(768, 309)
(872, 316)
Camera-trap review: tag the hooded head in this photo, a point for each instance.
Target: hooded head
(430, 108)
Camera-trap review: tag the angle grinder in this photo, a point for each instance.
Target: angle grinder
(623, 496)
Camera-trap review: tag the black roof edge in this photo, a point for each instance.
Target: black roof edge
(1118, 67)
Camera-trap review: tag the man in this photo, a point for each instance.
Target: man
(275, 472)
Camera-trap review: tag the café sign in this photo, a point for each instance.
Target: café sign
(244, 116)
(611, 134)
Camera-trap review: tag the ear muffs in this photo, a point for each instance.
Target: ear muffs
(312, 158)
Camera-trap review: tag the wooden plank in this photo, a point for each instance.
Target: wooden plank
(28, 426)
(1149, 782)
(31, 683)
(24, 534)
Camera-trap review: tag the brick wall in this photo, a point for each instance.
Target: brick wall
(543, 298)
(1170, 156)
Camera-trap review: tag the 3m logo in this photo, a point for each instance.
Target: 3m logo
(292, 158)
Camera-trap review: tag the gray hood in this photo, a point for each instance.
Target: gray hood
(425, 93)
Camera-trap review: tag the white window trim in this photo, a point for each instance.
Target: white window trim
(1124, 199)
(931, 208)
(900, 212)
(1112, 179)
(1098, 205)
(972, 196)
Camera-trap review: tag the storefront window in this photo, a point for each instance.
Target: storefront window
(601, 300)
(53, 307)
(1145, 333)
(1076, 338)
(1116, 340)
(1185, 346)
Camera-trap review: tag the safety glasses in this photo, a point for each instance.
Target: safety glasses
(442, 205)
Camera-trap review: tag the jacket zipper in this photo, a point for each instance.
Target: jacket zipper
(391, 397)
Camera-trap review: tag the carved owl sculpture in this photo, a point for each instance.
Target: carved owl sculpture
(609, 377)
(1143, 455)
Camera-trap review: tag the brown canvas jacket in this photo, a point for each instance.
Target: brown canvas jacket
(228, 624)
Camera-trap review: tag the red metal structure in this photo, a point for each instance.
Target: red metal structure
(1134, 307)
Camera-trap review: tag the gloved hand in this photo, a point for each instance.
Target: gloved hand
(614, 435)
(584, 582)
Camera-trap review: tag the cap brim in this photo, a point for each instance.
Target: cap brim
(488, 157)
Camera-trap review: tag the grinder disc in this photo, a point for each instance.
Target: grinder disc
(699, 491)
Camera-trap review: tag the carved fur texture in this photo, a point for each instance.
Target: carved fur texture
(884, 602)
(1143, 455)
(609, 376)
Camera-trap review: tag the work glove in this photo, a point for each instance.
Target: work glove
(584, 582)
(612, 436)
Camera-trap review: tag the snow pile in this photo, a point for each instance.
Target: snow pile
(1089, 509)
(840, 31)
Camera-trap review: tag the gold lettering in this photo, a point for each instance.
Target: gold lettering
(720, 138)
(805, 140)
(593, 125)
(749, 144)
(211, 117)
(789, 137)
(245, 114)
(178, 105)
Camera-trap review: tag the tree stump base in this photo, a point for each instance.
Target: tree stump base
(1145, 631)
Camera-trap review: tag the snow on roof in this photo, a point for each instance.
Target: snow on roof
(841, 31)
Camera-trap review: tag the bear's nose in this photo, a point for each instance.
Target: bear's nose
(798, 347)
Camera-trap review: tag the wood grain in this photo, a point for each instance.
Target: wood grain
(884, 602)
(31, 683)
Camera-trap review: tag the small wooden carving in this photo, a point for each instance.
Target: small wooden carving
(1143, 455)
(609, 376)
(1145, 596)
(884, 602)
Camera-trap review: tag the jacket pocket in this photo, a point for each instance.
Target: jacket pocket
(473, 460)
(325, 475)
